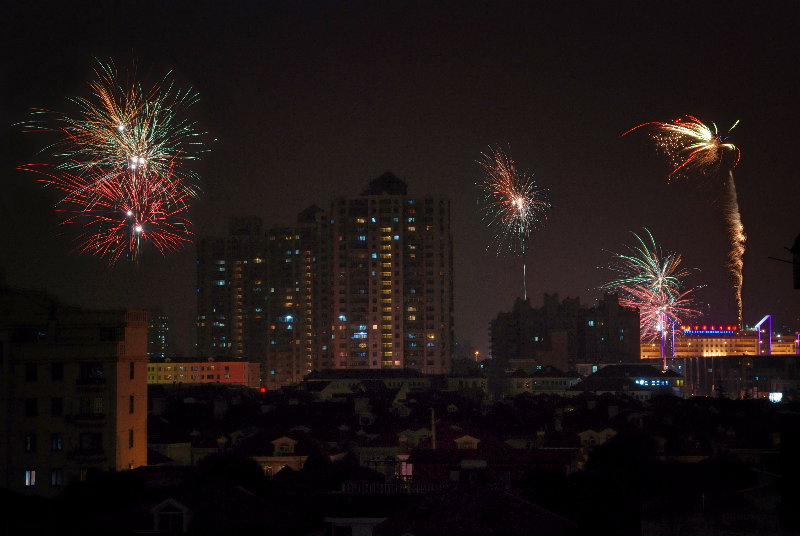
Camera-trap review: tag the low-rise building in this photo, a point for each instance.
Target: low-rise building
(189, 370)
(545, 381)
(638, 381)
(74, 392)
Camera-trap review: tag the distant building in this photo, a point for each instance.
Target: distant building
(74, 392)
(639, 381)
(231, 293)
(298, 303)
(188, 370)
(776, 377)
(392, 280)
(563, 333)
(263, 296)
(548, 380)
(346, 380)
(368, 286)
(159, 337)
(711, 339)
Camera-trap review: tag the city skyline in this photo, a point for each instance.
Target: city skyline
(421, 92)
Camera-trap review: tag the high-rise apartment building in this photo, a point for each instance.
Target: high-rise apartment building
(391, 280)
(367, 286)
(232, 292)
(262, 296)
(298, 308)
(74, 392)
(159, 337)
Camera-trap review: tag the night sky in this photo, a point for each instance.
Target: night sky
(311, 100)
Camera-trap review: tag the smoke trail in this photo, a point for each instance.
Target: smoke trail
(738, 238)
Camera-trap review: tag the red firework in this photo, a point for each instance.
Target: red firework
(120, 211)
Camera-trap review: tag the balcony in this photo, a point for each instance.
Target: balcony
(88, 420)
(91, 384)
(89, 455)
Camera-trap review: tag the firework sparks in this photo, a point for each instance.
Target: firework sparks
(124, 126)
(651, 281)
(646, 265)
(514, 205)
(120, 213)
(658, 309)
(120, 164)
(693, 147)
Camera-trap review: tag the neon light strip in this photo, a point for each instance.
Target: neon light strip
(701, 332)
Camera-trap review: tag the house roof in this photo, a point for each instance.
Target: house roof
(474, 510)
(362, 374)
(630, 370)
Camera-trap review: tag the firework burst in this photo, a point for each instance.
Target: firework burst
(651, 280)
(514, 205)
(119, 213)
(120, 163)
(124, 126)
(691, 146)
(694, 148)
(646, 265)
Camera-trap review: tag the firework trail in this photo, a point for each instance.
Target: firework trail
(514, 205)
(120, 163)
(694, 148)
(733, 220)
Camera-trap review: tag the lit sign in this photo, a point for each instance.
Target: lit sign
(709, 330)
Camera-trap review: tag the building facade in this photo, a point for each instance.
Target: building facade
(262, 296)
(369, 285)
(187, 370)
(563, 333)
(716, 340)
(391, 280)
(232, 292)
(74, 392)
(159, 337)
(298, 304)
